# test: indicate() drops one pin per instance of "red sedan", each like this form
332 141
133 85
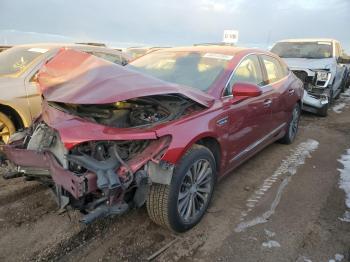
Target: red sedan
160 131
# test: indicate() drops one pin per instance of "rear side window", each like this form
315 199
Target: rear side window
285 69
248 71
273 69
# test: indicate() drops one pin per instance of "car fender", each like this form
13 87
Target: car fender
22 111
179 146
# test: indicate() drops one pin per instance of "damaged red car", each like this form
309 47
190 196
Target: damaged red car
159 132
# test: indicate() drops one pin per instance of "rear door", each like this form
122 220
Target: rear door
249 119
276 80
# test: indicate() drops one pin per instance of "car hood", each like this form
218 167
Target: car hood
75 77
325 63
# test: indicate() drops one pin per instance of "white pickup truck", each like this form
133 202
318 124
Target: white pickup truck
321 65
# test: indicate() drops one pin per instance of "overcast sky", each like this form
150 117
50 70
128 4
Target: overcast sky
180 22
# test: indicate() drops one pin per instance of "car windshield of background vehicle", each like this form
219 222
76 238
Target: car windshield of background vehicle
312 50
15 60
194 69
135 53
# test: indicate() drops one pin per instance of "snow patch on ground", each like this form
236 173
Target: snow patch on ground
337 257
271 244
287 169
344 181
344 101
269 233
338 108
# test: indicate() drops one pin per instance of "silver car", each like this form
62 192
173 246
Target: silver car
320 64
20 101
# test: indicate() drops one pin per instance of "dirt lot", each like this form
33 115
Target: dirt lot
283 205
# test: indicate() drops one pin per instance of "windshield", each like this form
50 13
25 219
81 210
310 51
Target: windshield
314 50
16 59
194 69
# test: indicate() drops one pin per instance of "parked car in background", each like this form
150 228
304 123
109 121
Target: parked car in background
136 52
347 63
161 130
4 47
20 101
319 63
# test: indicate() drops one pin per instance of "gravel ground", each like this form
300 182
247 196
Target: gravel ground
284 204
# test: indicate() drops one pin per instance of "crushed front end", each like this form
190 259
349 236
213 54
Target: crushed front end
100 178
317 86
96 143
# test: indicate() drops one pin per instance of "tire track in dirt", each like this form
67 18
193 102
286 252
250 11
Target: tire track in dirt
16 190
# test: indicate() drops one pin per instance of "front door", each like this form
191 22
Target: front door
249 120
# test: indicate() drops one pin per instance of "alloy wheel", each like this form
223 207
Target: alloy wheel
195 190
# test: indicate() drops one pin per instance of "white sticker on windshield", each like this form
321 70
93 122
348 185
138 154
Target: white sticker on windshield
324 43
38 50
218 56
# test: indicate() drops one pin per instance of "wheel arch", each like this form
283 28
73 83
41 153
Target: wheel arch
207 139
214 146
13 115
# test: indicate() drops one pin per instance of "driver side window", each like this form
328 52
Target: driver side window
248 71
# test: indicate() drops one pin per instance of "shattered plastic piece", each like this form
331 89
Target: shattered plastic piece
269 233
271 244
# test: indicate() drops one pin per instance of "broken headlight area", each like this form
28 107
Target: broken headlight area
316 84
138 112
38 139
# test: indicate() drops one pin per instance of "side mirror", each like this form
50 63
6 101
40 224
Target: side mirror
246 90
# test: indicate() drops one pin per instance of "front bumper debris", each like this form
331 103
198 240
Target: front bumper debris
101 190
311 101
77 186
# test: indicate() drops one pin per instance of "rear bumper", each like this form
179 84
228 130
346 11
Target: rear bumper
75 185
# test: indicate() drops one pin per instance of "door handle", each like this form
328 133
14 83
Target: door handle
291 92
267 103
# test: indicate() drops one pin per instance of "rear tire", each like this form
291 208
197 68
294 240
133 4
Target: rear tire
293 126
7 128
192 182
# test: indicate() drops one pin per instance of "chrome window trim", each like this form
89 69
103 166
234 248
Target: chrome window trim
240 62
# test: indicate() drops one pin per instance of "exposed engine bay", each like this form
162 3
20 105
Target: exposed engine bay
136 112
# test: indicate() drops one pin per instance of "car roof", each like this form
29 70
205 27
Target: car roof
212 49
308 40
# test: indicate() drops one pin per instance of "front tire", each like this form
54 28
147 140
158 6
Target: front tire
182 204
293 126
7 128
